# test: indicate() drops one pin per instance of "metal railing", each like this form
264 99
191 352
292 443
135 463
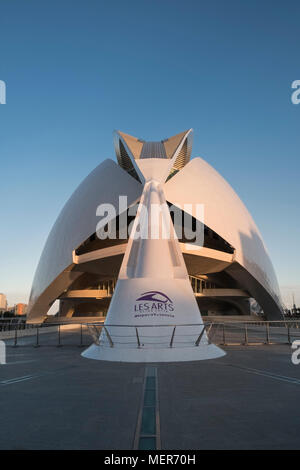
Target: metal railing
9 324
101 333
258 333
142 336
222 334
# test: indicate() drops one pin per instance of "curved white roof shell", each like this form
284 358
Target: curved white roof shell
224 212
75 223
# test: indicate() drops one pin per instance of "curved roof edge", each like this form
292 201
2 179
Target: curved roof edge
225 214
76 222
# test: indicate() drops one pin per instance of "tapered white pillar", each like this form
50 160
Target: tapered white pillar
153 315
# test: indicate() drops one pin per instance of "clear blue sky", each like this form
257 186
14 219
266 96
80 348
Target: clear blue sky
76 70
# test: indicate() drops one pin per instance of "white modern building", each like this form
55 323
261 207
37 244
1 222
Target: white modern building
147 285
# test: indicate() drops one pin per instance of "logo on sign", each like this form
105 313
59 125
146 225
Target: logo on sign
153 303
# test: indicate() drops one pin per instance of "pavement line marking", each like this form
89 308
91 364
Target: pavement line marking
158 438
147 435
139 419
16 379
265 373
33 376
21 362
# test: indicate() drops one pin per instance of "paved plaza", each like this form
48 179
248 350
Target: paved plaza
52 398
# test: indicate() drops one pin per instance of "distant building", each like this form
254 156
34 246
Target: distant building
20 309
3 302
